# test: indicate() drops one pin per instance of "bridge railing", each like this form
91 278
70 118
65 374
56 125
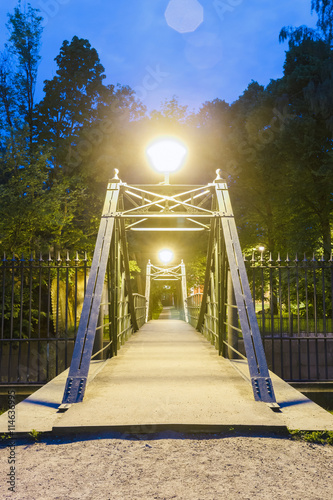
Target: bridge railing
125 327
140 304
210 328
40 307
193 306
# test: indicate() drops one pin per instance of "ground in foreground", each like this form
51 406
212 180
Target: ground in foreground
169 466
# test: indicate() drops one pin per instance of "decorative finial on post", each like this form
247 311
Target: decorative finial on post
218 175
115 177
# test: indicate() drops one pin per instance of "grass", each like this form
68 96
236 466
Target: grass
34 434
317 437
290 324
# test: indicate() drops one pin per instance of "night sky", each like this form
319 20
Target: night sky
236 42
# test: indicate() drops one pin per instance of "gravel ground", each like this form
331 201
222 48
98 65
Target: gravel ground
169 466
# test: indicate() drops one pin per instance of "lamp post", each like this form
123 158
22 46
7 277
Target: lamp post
166 155
165 256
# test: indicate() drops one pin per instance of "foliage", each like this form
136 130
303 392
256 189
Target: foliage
34 434
25 31
195 271
134 268
324 9
274 145
70 100
155 300
318 437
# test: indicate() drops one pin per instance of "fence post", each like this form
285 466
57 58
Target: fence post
232 319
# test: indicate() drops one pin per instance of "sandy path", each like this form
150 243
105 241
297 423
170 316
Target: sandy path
171 466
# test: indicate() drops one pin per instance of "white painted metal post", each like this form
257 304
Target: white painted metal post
148 278
184 289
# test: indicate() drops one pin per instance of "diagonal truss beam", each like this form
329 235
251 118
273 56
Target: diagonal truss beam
162 202
78 372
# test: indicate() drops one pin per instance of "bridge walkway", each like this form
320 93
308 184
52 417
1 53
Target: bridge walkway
167 376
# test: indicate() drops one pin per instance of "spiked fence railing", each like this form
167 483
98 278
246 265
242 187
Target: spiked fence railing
293 299
293 303
40 306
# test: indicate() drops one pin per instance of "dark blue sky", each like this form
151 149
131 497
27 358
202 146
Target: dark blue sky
236 42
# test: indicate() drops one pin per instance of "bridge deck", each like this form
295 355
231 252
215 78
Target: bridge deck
167 376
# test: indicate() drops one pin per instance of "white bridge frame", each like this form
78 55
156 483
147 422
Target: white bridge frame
189 208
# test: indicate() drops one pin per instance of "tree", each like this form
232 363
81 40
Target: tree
256 184
34 217
78 113
308 137
171 111
70 100
84 124
7 95
24 43
324 9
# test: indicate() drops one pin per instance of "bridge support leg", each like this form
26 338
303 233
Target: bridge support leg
261 382
78 372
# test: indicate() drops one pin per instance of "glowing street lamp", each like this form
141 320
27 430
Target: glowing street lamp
166 155
165 256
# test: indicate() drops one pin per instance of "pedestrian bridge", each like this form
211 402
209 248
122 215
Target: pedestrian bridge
168 208
167 373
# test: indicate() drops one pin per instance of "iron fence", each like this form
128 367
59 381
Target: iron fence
41 302
294 309
292 297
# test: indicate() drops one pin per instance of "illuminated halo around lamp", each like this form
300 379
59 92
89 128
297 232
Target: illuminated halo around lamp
166 155
165 256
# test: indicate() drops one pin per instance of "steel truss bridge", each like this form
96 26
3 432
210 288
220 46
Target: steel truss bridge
166 207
